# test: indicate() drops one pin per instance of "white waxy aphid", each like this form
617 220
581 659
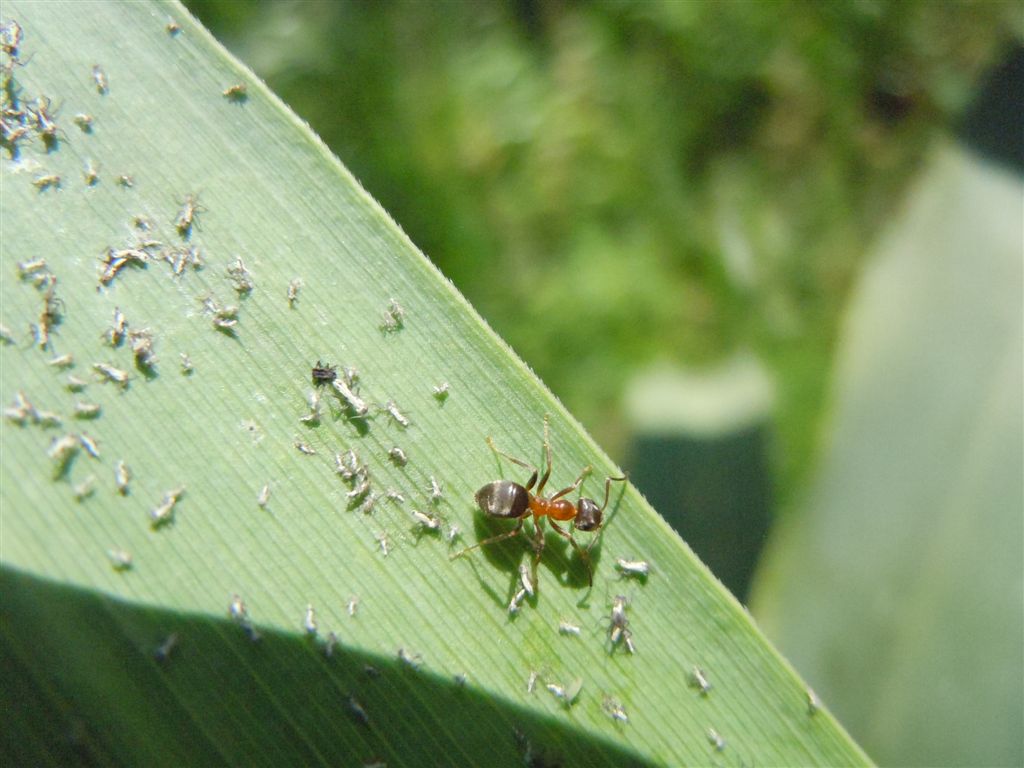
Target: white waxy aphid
6 335
330 643
813 702
47 181
614 710
99 77
393 494
122 476
85 489
566 695
21 410
47 418
236 92
76 384
186 363
436 494
347 464
83 121
357 405
304 447
313 416
62 361
442 390
356 710
120 559
394 317
90 173
398 457
352 605
531 681
186 217
237 611
116 332
393 411
112 374
413 661
293 291
241 278
639 568
62 448
361 485
715 739
384 543
525 579
27 269
264 496
163 513
166 648
699 681
90 445
568 628
516 601
309 620
426 522
141 342
454 532
369 503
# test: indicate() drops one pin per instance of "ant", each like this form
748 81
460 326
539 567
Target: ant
511 501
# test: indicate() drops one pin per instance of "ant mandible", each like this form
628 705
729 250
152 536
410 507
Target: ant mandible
508 500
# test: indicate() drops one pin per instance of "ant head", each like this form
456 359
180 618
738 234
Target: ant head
503 499
588 515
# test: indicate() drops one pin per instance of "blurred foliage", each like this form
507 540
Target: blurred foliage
613 183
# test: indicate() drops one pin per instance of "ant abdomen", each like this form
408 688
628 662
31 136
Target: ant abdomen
503 499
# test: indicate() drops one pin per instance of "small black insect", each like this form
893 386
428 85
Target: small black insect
324 374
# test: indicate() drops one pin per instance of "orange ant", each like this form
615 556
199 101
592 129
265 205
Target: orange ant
508 500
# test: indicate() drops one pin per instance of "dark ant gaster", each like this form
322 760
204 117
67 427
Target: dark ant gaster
511 501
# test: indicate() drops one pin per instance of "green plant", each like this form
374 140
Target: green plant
79 635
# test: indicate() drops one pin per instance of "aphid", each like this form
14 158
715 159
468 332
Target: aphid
352 605
83 121
441 391
237 611
125 181
394 317
347 464
141 342
639 568
84 489
166 648
460 679
46 125
90 173
10 38
99 77
87 410
62 361
516 601
188 215
393 494
264 497
323 374
47 418
699 681
813 702
62 449
116 332
112 374
618 631
525 579
454 532
614 710
115 260
236 93
47 181
186 363
122 476
361 484
567 628
241 278
567 695
400 418
6 336
355 403
28 269
436 494
371 671
180 257
120 560
304 447
511 501
75 384
21 411
309 621
172 28
413 661
426 522
398 457
164 512
715 739
293 292
226 318
384 542
369 503
356 710
330 643
40 335
531 681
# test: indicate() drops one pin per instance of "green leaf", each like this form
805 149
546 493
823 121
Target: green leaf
916 515
79 636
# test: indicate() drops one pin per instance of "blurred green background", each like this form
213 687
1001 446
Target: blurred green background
696 187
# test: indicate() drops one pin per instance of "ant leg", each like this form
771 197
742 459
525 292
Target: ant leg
520 462
586 471
584 554
485 542
547 455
